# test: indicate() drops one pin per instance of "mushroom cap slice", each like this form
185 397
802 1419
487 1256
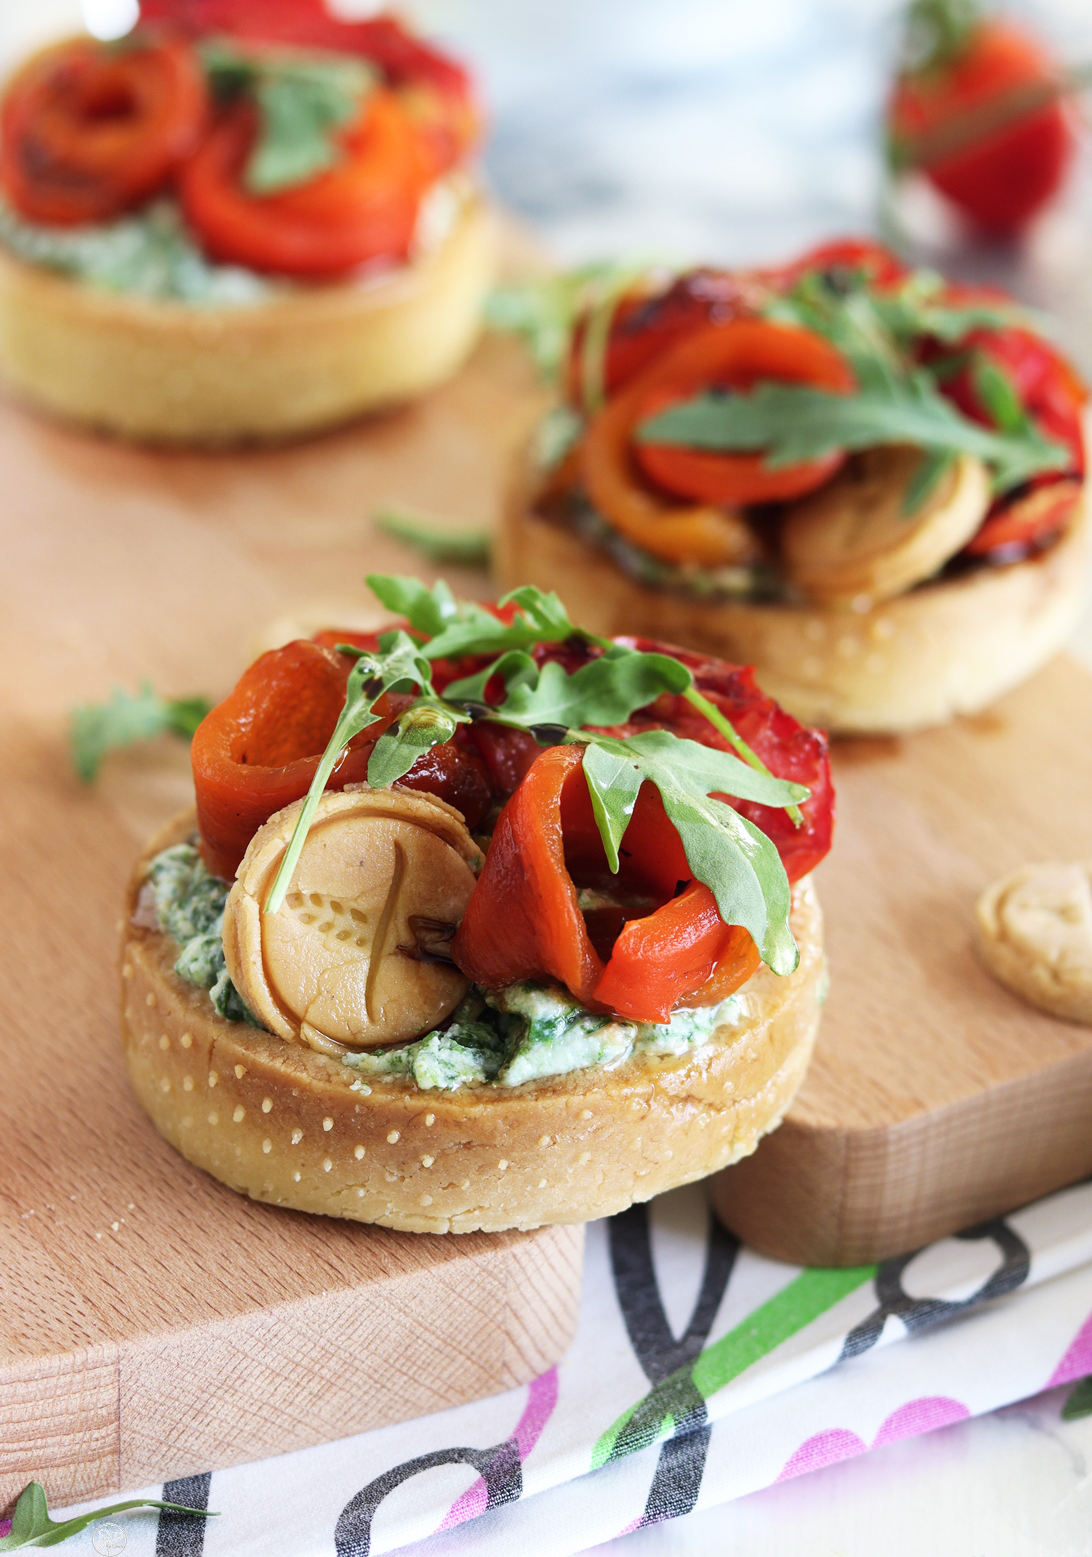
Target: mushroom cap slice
348 960
853 538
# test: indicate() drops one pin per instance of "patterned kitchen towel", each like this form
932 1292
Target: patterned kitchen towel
701 1371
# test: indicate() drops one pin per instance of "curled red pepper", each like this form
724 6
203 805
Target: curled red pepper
789 749
91 131
257 751
525 921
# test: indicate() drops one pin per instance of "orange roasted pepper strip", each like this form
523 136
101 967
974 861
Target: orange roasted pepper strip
524 919
739 354
362 209
257 751
674 532
90 130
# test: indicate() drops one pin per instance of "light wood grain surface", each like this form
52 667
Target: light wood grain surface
152 1323
134 1350
936 1097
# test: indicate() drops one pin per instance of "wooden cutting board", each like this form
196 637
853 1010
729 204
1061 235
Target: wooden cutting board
152 1323
936 1099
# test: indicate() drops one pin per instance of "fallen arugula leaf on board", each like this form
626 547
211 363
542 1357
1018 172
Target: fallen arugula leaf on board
1079 1401
302 102
128 717
726 852
32 1526
438 542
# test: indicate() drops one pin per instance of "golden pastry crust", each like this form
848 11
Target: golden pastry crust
173 373
942 649
1034 933
282 1123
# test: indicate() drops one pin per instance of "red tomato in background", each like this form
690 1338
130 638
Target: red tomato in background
1006 172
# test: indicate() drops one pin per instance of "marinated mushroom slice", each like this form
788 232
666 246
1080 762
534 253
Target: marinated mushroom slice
339 965
854 539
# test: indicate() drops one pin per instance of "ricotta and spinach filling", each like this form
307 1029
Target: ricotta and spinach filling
150 254
526 1032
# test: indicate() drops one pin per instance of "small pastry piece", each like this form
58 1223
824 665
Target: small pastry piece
855 539
1034 933
339 965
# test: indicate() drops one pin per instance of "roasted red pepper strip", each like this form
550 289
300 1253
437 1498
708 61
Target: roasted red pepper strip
524 919
257 751
879 264
361 210
1053 396
736 356
789 749
642 326
436 90
89 132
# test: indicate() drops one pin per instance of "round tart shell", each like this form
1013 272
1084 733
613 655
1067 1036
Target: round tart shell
177 373
282 1123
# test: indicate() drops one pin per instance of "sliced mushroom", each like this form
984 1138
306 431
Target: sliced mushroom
853 538
333 967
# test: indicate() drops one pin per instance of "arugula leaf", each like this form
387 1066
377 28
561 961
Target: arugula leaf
430 722
598 315
605 691
614 781
97 728
398 664
732 857
514 668
997 394
931 469
32 1526
438 542
302 100
466 628
427 610
867 323
792 423
541 310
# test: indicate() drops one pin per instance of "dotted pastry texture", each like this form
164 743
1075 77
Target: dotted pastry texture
282 1123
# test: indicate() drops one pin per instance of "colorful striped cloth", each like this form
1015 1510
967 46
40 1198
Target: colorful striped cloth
701 1371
